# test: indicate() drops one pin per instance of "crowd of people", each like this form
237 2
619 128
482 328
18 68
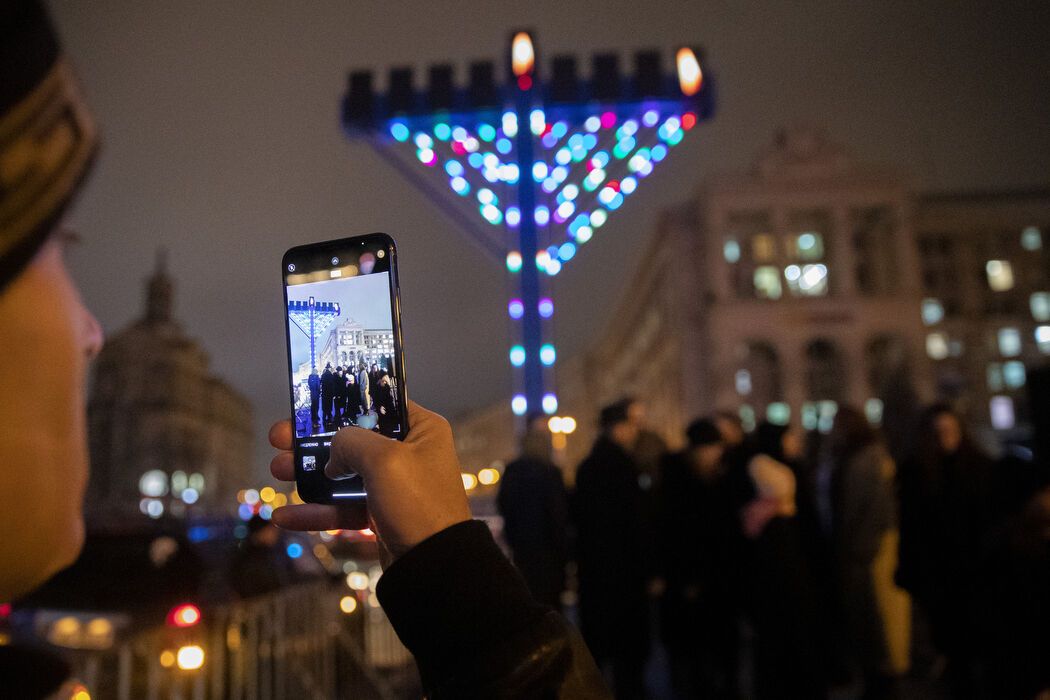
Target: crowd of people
779 564
352 395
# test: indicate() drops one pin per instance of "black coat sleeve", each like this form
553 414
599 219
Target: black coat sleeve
465 614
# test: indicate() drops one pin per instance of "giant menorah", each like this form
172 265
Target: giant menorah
531 170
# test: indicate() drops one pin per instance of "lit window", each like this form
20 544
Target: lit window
731 250
762 247
747 417
1031 238
1009 342
937 346
995 376
1001 410
807 280
767 283
1040 303
778 413
1042 339
827 411
932 311
1000 275
743 382
809 246
873 410
1013 374
810 416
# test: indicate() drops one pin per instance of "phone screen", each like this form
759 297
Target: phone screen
344 353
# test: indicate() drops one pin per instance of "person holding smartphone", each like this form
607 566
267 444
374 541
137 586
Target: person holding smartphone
455 600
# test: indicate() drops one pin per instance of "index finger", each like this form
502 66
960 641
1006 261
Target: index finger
281 434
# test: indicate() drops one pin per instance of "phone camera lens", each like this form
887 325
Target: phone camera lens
335 261
291 267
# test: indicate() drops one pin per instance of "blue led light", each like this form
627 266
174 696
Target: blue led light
519 405
508 172
600 159
537 121
295 550
454 168
198 533
560 129
424 140
548 354
539 171
513 216
583 234
460 186
510 124
590 141
598 218
549 185
565 210
549 141
546 307
593 123
399 131
651 117
492 214
659 152
629 128
543 215
628 185
442 131
563 156
553 266
476 160
504 146
616 201
486 196
487 132
516 309
570 192
517 354
566 251
245 512
460 134
550 403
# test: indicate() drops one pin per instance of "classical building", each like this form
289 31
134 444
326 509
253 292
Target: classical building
166 435
351 343
811 282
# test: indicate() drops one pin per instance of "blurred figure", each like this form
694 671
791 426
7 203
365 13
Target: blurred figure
731 428
947 494
699 541
613 544
364 388
386 405
649 448
535 510
314 383
260 565
327 395
859 517
782 590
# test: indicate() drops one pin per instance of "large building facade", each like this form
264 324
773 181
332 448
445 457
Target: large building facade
811 282
167 437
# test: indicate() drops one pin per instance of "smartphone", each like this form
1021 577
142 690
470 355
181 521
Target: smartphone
345 358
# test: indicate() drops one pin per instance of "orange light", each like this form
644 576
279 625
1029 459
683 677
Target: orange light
185 615
689 74
522 56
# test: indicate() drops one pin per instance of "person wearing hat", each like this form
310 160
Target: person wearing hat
613 542
455 600
698 535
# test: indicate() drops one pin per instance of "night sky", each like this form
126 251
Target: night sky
222 143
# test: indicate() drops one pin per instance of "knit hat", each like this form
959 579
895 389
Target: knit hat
703 432
47 137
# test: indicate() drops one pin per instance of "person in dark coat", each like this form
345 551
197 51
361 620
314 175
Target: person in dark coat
352 406
780 582
339 395
364 388
698 539
386 405
327 394
535 510
613 542
946 496
314 383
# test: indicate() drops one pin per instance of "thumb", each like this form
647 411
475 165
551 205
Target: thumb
358 451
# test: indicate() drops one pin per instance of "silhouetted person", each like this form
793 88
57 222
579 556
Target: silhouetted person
612 554
947 495
364 388
314 384
699 538
535 510
386 405
327 394
352 403
782 594
339 395
859 514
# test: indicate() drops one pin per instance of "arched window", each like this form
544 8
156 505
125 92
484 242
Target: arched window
825 373
757 379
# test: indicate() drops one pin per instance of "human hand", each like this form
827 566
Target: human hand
414 486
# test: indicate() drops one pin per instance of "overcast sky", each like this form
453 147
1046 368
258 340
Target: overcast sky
222 143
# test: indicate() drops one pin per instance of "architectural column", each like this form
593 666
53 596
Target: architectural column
842 273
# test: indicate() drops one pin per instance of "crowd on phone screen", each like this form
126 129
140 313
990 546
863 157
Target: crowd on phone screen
358 394
779 564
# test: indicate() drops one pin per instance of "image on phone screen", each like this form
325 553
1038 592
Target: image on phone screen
344 352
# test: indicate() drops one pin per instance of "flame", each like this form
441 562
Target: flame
522 56
689 74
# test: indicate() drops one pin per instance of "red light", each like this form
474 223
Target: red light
688 120
614 185
524 82
608 120
185 615
5 610
458 148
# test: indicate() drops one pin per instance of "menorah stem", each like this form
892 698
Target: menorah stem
529 275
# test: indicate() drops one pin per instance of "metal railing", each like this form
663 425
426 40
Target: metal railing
291 644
